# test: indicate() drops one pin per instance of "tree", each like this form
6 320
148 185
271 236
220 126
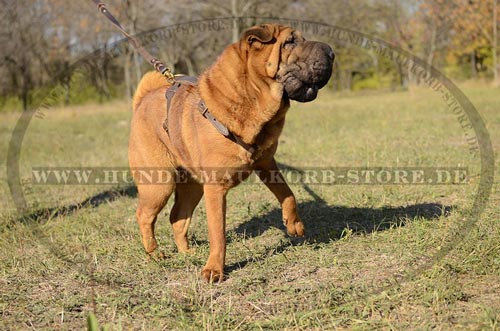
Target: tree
22 54
477 35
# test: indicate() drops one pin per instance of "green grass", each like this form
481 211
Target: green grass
366 262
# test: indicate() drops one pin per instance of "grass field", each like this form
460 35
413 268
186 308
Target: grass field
365 263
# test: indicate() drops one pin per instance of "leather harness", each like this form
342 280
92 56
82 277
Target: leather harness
203 109
176 81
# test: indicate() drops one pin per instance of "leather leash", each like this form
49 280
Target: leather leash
157 64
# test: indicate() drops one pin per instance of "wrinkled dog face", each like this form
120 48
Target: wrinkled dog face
280 53
306 67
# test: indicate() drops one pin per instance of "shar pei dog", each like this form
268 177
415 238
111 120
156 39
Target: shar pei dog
247 92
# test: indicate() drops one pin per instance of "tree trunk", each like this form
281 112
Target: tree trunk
432 50
126 73
132 6
401 76
190 66
235 28
66 82
103 75
24 98
67 90
137 69
348 80
26 86
496 81
338 76
473 64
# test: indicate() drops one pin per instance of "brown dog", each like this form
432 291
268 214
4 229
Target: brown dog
248 89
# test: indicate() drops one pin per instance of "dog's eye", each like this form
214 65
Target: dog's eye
289 42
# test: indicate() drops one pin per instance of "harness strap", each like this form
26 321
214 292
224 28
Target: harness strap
170 92
203 109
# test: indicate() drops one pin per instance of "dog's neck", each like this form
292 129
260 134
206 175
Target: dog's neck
239 99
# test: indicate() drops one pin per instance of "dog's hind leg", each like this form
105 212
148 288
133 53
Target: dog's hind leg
152 199
152 168
187 197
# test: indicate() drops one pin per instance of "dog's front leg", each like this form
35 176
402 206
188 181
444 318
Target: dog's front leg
215 202
270 174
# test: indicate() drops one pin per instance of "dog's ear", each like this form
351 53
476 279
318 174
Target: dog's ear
263 33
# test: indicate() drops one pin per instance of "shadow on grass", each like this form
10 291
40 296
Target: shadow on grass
325 223
94 201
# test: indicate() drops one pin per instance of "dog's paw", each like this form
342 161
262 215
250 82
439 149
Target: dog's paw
212 275
156 255
150 244
294 227
188 251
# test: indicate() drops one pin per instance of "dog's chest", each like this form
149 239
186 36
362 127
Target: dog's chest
268 138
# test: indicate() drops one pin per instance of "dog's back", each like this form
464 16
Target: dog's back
150 82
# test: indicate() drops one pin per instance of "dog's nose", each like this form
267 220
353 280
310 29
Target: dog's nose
329 51
331 55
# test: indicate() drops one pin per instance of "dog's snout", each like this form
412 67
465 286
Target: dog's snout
308 71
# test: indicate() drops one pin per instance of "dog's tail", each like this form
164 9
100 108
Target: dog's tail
150 81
